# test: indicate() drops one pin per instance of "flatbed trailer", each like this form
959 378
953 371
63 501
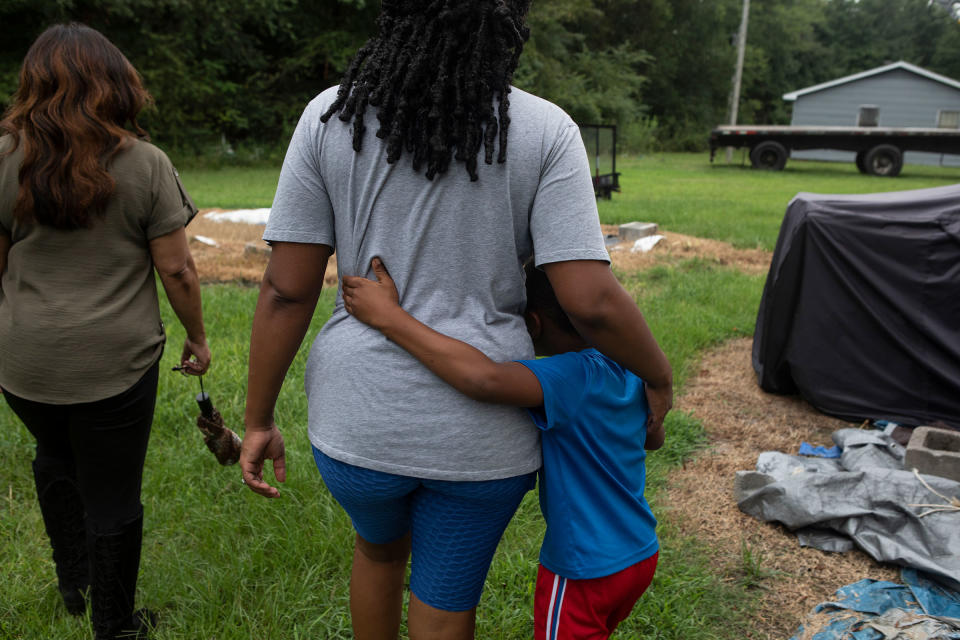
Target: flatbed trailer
879 149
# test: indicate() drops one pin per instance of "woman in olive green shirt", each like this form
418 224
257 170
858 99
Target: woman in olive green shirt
87 211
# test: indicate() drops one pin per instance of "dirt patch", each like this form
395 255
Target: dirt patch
676 246
741 421
240 254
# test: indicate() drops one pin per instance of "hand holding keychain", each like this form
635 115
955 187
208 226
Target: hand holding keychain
221 441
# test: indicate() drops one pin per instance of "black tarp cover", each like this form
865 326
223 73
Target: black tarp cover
861 309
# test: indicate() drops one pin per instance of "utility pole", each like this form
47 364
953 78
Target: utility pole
738 73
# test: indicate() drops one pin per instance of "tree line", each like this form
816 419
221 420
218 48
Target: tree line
228 73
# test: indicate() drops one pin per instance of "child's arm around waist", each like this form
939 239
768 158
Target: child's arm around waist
462 366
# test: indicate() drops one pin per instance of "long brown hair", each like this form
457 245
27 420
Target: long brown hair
77 92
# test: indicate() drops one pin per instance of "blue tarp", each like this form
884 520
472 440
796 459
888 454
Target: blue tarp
878 610
807 449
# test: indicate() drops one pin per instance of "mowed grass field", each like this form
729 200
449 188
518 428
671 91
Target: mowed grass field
220 563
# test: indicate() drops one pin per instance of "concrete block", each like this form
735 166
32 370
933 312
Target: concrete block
633 231
935 452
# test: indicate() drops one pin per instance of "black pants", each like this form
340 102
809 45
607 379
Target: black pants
102 445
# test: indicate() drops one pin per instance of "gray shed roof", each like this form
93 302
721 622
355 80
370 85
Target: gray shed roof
906 66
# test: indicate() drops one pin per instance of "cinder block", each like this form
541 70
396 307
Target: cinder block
633 231
935 452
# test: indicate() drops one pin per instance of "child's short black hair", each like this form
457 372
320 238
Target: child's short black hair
542 299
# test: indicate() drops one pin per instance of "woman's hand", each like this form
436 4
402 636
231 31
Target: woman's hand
200 352
288 297
371 302
260 445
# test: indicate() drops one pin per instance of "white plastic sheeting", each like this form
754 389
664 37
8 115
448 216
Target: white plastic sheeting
249 216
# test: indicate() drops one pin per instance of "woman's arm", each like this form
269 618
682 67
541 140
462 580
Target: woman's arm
460 365
288 298
607 316
178 274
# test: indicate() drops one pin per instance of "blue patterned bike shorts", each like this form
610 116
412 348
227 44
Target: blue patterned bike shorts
455 526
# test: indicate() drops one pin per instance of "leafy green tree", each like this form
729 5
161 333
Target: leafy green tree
228 73
690 76
598 84
783 54
946 56
868 33
220 70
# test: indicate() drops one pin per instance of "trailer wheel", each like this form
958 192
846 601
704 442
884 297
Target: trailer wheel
769 155
883 160
861 163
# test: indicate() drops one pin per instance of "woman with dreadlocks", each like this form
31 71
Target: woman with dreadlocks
463 180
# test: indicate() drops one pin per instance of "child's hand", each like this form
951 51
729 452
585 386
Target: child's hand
368 301
660 401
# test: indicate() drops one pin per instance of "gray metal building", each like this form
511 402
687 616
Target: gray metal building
894 95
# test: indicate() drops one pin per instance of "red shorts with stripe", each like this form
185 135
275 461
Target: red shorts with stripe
591 609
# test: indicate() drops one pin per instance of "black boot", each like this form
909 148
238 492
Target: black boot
63 517
114 562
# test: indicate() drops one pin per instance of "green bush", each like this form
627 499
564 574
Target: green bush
640 136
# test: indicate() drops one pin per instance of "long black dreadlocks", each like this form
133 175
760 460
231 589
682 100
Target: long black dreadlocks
432 72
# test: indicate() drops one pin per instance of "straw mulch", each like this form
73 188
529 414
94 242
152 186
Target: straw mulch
676 246
741 421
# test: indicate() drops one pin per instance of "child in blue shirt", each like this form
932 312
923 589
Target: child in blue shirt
600 549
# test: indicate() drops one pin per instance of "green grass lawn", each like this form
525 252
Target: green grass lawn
684 193
222 563
231 187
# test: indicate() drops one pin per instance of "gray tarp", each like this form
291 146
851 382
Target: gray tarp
861 499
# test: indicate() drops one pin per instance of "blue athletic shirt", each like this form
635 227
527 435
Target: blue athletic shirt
594 422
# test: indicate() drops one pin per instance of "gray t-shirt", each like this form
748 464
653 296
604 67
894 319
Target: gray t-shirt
456 251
